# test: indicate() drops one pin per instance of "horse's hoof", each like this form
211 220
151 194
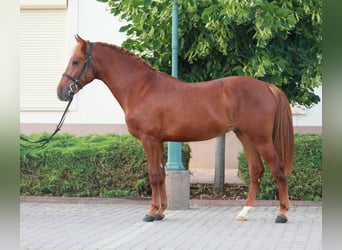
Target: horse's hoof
240 218
159 216
280 219
149 218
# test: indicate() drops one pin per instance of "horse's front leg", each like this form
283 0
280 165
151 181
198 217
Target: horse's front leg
154 152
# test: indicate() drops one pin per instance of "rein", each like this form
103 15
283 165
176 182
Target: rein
73 87
44 141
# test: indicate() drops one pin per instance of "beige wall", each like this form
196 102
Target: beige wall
202 153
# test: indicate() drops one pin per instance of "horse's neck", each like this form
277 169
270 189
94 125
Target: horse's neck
124 75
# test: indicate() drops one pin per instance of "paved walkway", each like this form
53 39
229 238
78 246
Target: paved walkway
117 224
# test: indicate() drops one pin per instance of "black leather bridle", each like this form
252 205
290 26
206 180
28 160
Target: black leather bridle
75 85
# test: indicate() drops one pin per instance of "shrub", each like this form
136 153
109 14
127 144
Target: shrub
89 166
305 181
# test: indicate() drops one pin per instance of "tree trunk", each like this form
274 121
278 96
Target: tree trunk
219 164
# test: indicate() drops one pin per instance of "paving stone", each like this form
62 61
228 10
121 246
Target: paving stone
120 226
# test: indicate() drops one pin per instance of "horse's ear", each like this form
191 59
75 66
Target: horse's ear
82 42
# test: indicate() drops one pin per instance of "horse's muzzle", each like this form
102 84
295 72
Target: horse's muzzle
65 93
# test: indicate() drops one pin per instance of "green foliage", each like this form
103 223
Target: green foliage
276 41
305 182
102 166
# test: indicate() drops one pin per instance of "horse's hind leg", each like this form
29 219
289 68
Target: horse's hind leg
270 155
256 171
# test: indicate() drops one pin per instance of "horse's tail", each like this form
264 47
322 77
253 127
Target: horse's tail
283 137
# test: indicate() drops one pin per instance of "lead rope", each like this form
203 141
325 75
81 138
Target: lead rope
44 141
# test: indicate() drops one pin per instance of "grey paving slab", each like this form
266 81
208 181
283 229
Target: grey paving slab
120 226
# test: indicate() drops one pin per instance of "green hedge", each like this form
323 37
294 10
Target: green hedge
89 166
305 181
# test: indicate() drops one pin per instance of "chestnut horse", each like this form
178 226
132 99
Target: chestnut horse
159 107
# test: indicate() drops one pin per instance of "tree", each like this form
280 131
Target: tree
275 41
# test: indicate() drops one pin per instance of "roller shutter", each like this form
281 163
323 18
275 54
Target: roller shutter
42 54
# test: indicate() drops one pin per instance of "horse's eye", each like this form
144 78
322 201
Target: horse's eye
74 63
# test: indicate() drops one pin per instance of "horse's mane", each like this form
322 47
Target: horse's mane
129 53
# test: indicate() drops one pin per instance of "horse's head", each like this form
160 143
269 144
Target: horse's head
78 73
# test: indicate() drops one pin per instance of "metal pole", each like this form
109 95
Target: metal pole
174 159
174 43
219 164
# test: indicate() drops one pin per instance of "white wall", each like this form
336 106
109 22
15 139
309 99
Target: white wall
94 104
312 116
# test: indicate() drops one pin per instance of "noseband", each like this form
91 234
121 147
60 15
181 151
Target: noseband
75 85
